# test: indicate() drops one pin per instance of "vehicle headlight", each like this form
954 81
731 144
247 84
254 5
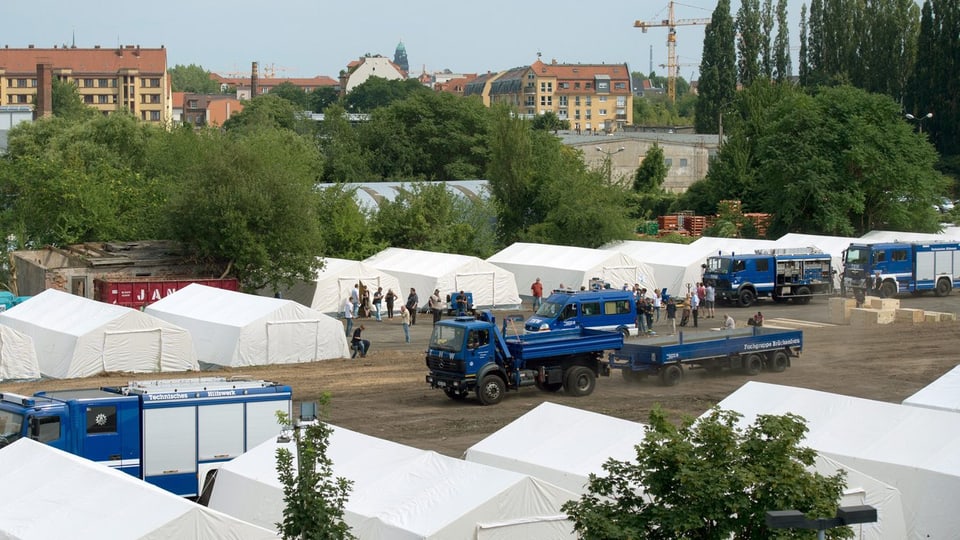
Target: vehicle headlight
544 327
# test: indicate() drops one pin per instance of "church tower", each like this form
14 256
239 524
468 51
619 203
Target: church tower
400 58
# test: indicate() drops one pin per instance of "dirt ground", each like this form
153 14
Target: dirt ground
385 395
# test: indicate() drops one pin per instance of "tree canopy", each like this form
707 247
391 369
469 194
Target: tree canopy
192 78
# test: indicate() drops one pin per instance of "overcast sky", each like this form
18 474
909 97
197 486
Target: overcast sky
303 38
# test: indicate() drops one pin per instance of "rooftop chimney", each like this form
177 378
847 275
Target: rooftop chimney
43 107
254 80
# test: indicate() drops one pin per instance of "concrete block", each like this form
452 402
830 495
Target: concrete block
948 317
931 316
864 317
909 315
886 316
875 302
840 309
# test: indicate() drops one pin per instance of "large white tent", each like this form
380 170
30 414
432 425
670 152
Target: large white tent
880 236
18 357
235 329
572 267
52 494
492 286
943 393
78 337
913 449
334 282
712 245
561 445
674 265
400 492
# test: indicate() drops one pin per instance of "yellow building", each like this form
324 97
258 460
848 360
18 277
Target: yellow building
125 78
592 97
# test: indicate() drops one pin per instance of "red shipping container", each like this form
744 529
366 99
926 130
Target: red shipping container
137 293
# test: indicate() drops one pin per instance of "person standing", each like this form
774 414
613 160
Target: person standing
672 315
390 298
365 306
537 290
436 305
657 304
709 299
405 319
695 308
348 314
413 302
461 304
377 302
355 299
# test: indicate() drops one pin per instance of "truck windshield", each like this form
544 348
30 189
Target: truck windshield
447 338
10 427
857 255
718 265
550 310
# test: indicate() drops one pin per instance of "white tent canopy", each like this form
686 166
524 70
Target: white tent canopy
235 329
943 393
52 494
558 444
78 337
572 267
880 236
862 489
712 246
334 282
674 265
18 357
492 286
401 492
914 449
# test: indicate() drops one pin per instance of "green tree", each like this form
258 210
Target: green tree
549 121
378 92
803 62
314 498
347 232
268 111
67 102
718 71
652 171
292 93
321 98
343 156
513 181
782 70
192 78
708 479
750 41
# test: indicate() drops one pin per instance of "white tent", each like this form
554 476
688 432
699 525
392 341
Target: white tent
943 393
712 246
914 449
862 489
880 236
492 286
78 337
674 265
52 494
401 492
572 267
18 357
235 329
334 282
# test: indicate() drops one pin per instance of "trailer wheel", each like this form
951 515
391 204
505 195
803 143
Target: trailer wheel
778 361
746 298
889 289
491 390
580 381
671 375
803 296
753 365
455 394
632 376
549 387
943 287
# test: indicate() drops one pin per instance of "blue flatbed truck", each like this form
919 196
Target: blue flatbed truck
749 350
170 433
473 355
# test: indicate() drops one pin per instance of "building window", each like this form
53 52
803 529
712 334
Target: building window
683 162
589 101
103 83
576 101
620 86
546 101
564 100
546 86
21 83
602 112
565 85
155 116
88 99
668 162
602 99
603 86
531 76
576 86
192 104
576 114
621 102
103 99
588 86
88 83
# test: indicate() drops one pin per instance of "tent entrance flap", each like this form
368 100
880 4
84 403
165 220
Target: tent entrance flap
483 285
132 350
616 276
281 334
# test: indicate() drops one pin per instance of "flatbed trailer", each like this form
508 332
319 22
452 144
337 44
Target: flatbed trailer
749 350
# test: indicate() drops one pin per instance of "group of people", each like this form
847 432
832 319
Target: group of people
361 305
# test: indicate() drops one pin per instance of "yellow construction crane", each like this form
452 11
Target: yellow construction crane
671 23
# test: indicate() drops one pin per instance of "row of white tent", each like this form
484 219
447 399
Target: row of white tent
60 335
503 280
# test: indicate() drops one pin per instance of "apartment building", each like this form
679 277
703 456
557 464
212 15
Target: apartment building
592 97
125 78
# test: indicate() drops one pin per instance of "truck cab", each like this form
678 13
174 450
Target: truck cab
741 279
607 309
912 267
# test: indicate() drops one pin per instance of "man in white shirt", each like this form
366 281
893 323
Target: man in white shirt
348 315
728 322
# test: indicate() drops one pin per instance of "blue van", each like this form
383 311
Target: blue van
604 309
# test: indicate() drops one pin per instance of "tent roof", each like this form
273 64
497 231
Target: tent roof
674 265
834 245
425 263
943 393
878 236
712 245
228 308
66 313
53 494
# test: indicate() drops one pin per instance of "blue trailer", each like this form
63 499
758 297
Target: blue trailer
749 349
169 433
473 355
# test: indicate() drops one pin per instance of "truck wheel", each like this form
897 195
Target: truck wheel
626 333
580 381
746 298
491 390
632 376
671 375
778 361
803 296
889 289
943 287
549 387
753 365
455 394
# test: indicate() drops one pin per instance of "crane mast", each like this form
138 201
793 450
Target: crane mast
671 24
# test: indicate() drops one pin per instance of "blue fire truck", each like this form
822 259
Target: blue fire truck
781 275
903 267
169 433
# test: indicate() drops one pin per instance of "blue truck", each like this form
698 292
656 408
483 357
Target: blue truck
903 267
741 279
473 355
170 433
748 349
604 309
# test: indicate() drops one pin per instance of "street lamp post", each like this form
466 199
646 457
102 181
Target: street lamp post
608 161
919 120
846 515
